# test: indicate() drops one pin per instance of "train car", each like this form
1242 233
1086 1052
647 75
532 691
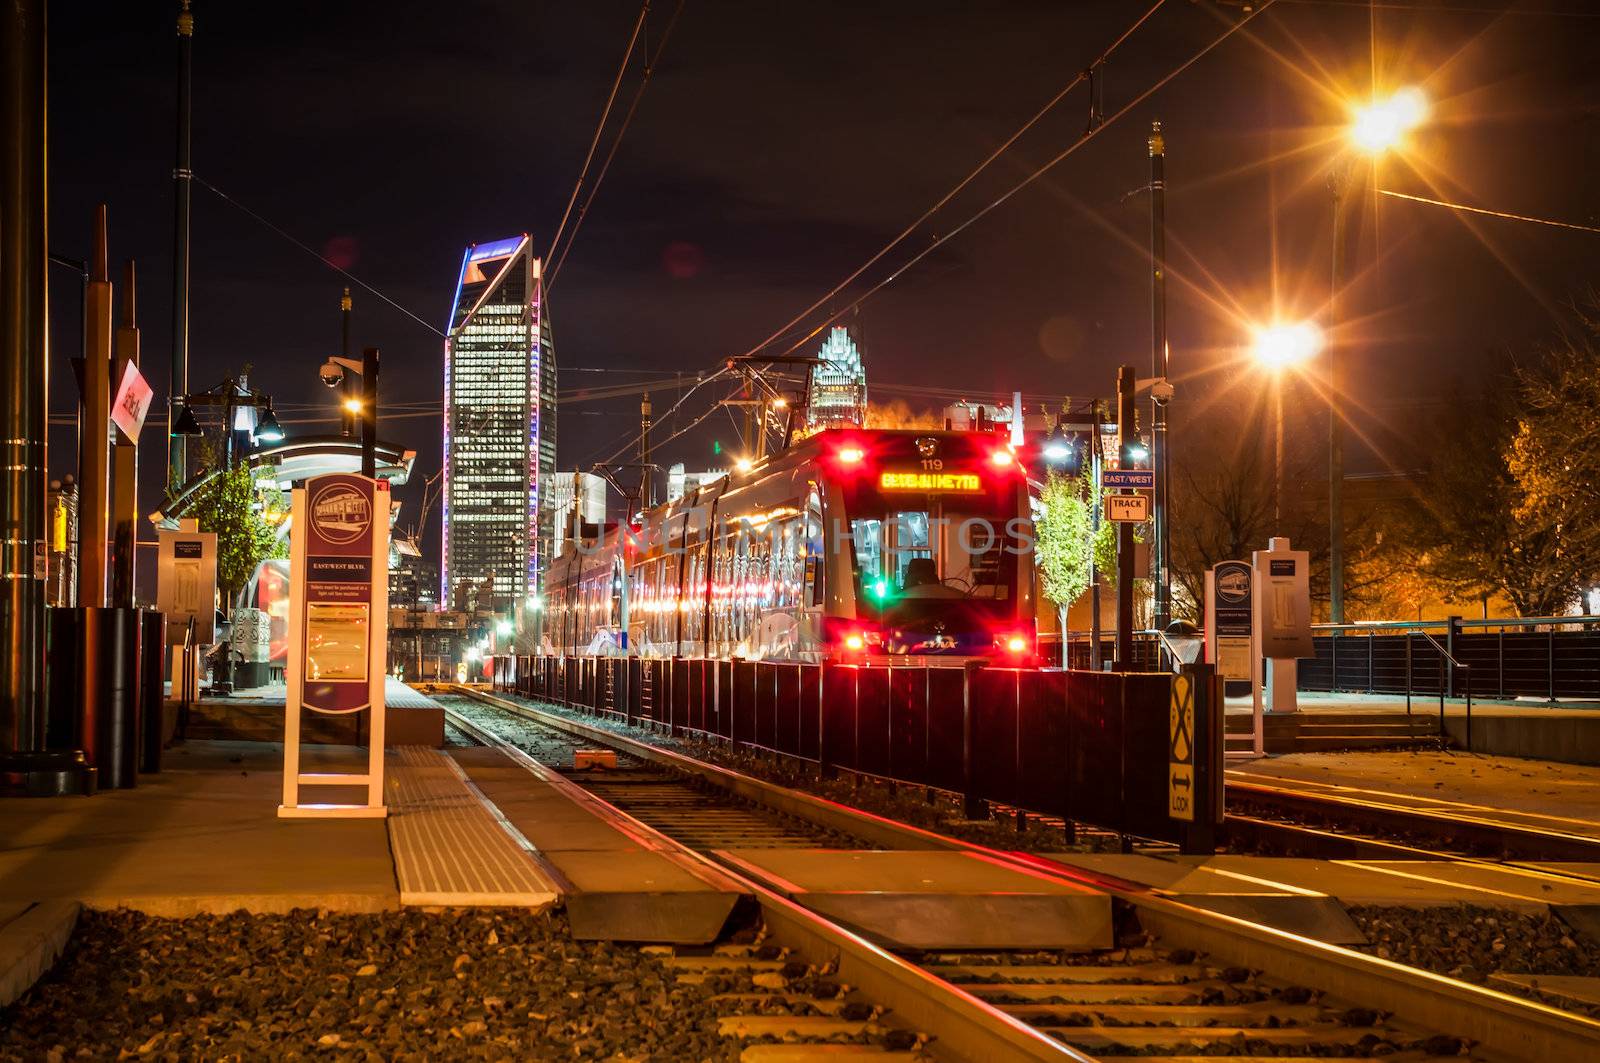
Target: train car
849 545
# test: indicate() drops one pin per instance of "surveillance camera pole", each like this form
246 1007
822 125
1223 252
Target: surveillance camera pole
369 411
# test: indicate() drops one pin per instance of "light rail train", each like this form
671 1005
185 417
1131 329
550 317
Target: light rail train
849 545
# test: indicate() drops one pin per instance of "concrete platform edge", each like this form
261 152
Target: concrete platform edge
31 943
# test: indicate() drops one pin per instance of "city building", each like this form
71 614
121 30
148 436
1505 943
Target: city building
590 492
413 580
680 483
836 391
499 429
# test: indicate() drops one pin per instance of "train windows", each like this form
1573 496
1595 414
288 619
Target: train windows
866 543
908 539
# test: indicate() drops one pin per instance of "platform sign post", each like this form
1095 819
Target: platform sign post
1230 640
338 629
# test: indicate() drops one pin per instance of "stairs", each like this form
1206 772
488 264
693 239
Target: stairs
1323 732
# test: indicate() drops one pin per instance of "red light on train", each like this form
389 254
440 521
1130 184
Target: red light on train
1002 458
850 455
854 642
1015 643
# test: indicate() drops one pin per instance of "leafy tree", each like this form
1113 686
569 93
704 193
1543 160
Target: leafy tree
1465 532
1552 457
245 537
1068 545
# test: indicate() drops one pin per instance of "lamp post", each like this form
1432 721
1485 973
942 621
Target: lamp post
1377 127
1279 347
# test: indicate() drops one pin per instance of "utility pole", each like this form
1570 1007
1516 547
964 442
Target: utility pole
94 470
1339 186
24 258
347 420
369 413
182 180
125 461
647 483
1096 459
1159 358
1126 438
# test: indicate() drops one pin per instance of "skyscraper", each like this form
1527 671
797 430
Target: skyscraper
836 392
499 427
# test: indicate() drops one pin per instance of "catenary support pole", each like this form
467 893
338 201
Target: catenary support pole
1161 561
1339 186
347 419
647 480
369 411
182 185
24 258
1126 435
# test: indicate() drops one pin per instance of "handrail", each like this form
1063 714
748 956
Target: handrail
1459 622
1466 671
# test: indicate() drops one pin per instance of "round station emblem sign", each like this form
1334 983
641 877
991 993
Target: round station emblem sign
1233 583
340 513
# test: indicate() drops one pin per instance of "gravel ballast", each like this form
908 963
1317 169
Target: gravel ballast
393 986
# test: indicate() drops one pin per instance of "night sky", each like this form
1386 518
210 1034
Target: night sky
778 146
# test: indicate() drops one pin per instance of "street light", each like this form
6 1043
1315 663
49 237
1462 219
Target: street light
1376 127
1381 125
1277 348
269 430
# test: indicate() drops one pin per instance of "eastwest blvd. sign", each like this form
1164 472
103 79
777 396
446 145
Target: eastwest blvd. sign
338 627
341 526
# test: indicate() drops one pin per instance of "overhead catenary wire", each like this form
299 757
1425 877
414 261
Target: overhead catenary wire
600 126
651 59
351 277
940 203
1507 215
1033 176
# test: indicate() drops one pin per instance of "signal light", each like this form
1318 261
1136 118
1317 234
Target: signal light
1001 458
1017 644
850 455
854 642
880 589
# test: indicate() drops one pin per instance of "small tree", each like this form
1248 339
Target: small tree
232 506
1068 546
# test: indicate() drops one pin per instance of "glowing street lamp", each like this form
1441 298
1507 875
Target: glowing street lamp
1375 128
1381 125
1282 346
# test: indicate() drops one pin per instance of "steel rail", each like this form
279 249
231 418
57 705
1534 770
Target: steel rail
1513 840
961 1026
1499 1022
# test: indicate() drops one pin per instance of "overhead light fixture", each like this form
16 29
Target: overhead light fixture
186 425
269 429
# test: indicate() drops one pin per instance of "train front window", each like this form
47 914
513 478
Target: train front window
940 551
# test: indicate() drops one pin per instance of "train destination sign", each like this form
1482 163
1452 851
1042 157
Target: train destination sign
956 482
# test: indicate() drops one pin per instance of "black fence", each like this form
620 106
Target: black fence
1083 746
1504 664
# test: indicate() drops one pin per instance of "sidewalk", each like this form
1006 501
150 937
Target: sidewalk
1428 704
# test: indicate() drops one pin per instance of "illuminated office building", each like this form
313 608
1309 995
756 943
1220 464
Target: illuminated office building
499 428
836 392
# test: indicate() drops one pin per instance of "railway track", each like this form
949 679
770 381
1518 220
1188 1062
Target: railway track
1181 983
1293 816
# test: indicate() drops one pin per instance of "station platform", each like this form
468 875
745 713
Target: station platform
204 836
1561 731
255 714
1548 796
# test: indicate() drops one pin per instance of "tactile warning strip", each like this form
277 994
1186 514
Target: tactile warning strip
449 846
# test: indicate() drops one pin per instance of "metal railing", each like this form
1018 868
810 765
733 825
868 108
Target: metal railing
1552 657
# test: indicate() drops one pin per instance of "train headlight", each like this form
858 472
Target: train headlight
854 642
850 455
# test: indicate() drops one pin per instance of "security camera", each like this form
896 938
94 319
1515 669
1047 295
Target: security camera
1161 391
332 373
